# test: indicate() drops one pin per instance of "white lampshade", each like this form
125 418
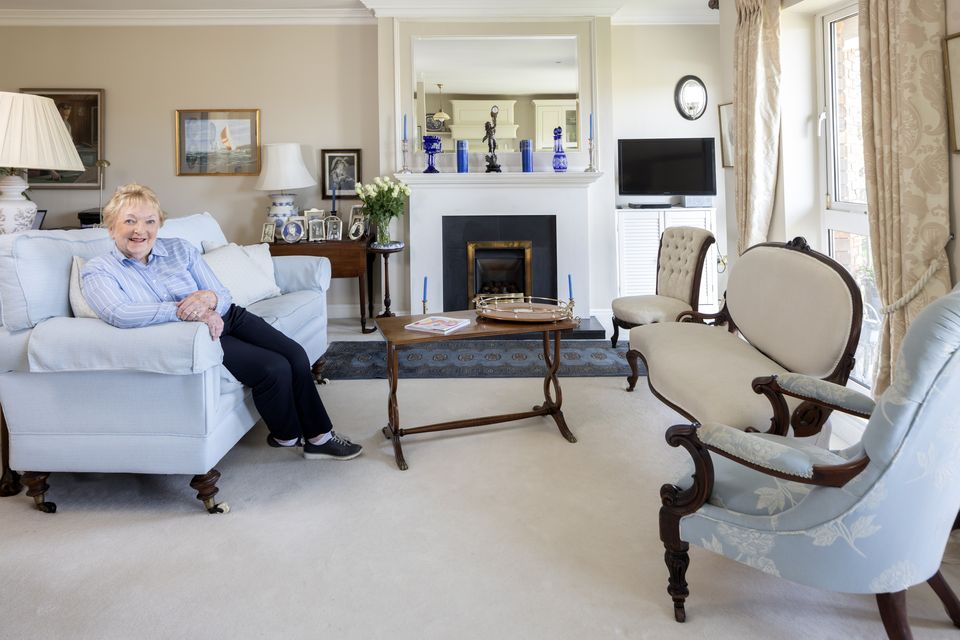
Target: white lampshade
283 168
33 134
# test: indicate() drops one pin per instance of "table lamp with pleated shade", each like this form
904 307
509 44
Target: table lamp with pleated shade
32 136
283 169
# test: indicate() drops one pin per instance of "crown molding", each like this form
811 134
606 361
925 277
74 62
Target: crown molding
492 10
628 18
189 17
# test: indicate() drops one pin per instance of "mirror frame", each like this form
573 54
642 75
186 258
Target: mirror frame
679 104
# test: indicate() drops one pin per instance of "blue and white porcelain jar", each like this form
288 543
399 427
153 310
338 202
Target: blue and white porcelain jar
559 155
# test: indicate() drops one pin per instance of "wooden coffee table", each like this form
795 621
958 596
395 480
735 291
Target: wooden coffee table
396 336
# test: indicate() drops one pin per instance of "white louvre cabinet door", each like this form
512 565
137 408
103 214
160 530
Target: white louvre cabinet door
638 241
703 219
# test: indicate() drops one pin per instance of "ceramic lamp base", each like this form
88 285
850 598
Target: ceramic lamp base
17 213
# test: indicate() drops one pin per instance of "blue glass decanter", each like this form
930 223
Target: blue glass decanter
559 155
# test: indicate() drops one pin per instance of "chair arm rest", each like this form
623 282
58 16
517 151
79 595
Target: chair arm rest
828 394
297 273
716 319
179 348
772 455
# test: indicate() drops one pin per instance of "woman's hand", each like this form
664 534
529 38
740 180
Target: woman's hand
193 307
214 322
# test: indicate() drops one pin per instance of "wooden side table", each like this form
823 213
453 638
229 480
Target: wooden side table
348 259
372 252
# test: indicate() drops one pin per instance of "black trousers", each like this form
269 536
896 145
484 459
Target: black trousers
278 371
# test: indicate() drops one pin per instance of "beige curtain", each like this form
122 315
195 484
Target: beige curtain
907 162
756 90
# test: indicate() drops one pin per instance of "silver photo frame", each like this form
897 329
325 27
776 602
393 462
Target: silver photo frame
294 230
333 227
317 230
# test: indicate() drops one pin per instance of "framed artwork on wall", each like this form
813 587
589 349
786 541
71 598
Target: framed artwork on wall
82 112
340 169
951 64
726 134
218 142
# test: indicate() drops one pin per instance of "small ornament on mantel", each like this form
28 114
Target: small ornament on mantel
490 137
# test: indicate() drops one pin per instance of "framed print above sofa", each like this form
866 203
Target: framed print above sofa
218 142
82 112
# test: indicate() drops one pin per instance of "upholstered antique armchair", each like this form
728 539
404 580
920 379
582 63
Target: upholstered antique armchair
872 518
680 259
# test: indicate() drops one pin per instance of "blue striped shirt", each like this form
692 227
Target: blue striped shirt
127 293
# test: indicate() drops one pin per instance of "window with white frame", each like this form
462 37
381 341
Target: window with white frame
845 227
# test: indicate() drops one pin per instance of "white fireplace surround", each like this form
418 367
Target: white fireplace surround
433 196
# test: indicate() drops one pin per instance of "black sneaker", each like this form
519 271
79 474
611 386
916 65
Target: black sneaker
273 443
336 448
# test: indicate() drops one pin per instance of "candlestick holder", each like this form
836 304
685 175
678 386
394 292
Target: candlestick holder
424 307
591 168
405 150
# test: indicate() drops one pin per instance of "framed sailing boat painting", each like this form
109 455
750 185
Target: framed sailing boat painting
218 142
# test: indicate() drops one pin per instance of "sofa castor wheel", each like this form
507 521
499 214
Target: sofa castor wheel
46 507
219 507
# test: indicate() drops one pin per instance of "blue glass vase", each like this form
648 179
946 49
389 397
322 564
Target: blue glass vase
431 146
463 161
559 155
526 155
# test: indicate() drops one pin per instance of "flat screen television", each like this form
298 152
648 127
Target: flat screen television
667 167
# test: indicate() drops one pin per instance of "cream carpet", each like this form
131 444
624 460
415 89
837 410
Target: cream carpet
496 532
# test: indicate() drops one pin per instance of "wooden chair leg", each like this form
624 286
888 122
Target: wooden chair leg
317 371
36 483
677 559
947 597
893 612
616 333
632 357
206 488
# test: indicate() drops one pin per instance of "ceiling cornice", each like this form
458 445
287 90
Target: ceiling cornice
625 18
199 17
492 10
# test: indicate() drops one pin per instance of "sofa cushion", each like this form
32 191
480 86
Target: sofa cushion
648 309
241 274
291 311
78 304
707 371
195 229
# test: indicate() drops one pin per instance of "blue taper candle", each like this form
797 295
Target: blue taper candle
591 125
424 288
570 286
404 127
333 202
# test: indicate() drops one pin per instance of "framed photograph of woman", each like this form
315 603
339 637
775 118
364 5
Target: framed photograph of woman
269 230
317 230
334 228
340 170
82 112
295 229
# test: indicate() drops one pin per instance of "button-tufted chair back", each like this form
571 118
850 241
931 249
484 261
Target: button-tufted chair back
678 274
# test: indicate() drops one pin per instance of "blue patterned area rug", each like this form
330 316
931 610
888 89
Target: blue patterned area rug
475 359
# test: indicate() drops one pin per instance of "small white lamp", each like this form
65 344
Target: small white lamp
32 136
283 169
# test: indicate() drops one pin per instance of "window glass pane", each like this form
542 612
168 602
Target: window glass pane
848 171
852 250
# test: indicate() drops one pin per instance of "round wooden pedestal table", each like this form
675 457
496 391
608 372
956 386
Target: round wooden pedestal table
385 250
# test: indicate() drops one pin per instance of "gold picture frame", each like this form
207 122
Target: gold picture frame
951 72
218 142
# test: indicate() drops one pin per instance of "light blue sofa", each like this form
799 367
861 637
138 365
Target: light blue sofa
80 395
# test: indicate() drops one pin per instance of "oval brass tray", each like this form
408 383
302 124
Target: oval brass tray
528 309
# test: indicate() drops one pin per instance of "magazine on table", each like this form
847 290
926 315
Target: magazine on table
438 324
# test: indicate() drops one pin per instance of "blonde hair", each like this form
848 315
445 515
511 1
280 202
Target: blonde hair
130 195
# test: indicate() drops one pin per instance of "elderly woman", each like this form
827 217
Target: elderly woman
147 280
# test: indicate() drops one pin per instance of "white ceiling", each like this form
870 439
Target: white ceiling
88 12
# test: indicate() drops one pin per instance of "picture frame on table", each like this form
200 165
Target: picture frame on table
727 134
295 229
317 230
358 222
269 232
38 219
218 142
333 226
340 169
83 113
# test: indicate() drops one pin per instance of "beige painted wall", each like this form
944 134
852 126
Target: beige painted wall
647 63
314 85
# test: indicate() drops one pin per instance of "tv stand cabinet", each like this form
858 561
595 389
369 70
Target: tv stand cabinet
638 242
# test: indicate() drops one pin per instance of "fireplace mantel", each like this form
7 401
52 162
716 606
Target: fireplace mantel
566 196
479 180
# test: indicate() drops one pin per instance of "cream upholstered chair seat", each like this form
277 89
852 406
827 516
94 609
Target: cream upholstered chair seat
683 250
716 365
648 309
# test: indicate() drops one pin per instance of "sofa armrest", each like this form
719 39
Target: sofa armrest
13 349
825 393
179 348
297 273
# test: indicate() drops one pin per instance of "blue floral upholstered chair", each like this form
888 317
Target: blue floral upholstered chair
872 518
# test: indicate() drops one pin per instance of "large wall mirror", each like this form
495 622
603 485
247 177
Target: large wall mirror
534 80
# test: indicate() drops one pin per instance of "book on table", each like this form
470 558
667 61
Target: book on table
438 324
